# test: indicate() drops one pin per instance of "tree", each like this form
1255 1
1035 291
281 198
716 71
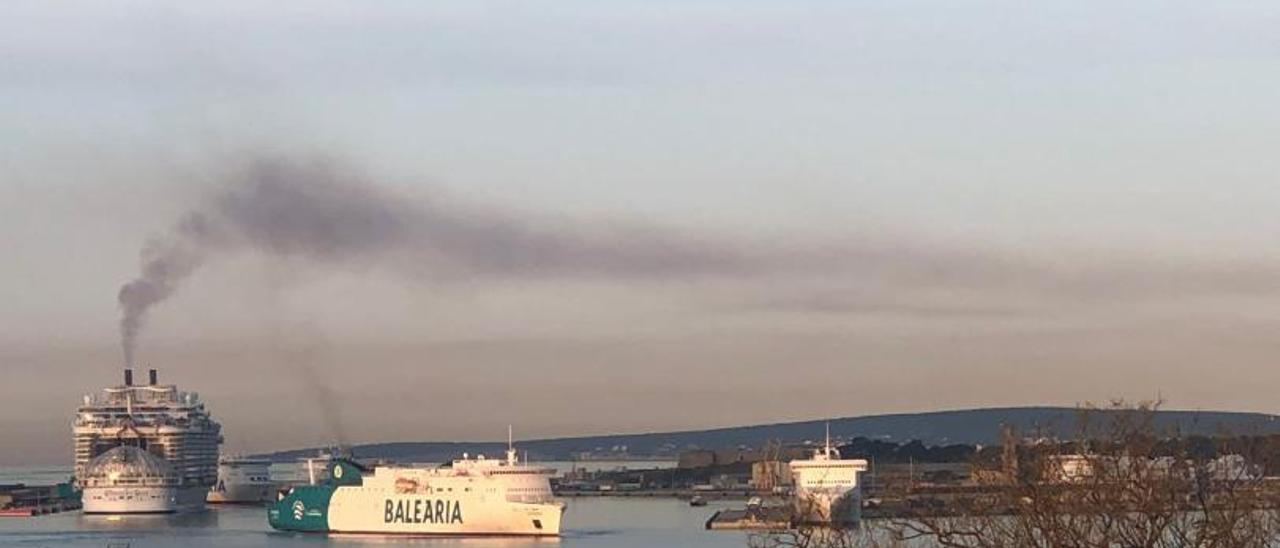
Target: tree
1120 481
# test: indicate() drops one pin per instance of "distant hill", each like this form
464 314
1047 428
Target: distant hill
971 426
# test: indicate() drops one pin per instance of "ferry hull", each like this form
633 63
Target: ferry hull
818 507
356 511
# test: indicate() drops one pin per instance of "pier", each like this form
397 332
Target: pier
772 518
20 500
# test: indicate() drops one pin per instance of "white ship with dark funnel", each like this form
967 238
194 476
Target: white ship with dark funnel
145 449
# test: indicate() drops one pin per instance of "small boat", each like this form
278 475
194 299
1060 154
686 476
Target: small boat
697 501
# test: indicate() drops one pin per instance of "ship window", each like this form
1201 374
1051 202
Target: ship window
537 524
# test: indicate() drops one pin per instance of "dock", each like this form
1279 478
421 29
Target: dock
38 510
681 493
769 518
19 500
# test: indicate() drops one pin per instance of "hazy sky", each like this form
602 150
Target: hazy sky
594 217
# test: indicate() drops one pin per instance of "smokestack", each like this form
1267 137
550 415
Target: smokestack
152 374
128 377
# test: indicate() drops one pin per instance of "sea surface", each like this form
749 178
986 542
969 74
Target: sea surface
603 522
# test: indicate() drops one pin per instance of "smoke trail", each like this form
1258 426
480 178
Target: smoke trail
166 261
321 213
318 212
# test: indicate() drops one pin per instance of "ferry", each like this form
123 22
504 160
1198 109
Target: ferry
145 449
827 489
468 497
242 481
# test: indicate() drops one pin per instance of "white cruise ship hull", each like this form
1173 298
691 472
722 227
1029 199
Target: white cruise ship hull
142 500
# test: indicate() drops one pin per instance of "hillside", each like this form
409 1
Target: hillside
972 426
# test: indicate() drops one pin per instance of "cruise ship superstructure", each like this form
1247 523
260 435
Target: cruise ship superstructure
470 496
145 448
827 488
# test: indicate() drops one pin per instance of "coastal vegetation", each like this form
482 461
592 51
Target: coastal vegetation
1117 479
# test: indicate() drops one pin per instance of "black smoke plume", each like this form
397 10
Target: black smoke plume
320 212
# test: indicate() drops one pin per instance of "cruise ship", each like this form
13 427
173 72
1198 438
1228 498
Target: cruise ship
470 496
144 449
827 489
242 480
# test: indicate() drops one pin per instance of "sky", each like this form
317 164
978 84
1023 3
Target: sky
427 221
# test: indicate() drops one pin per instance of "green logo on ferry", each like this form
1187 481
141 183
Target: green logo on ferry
302 509
422 511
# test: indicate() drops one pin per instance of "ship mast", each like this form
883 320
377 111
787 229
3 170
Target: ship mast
826 448
511 448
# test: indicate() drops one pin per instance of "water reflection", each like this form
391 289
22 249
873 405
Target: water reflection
589 523
494 541
148 522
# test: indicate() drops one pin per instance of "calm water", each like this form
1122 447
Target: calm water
589 522
598 522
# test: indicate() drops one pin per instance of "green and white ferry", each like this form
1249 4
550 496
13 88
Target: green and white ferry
470 496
